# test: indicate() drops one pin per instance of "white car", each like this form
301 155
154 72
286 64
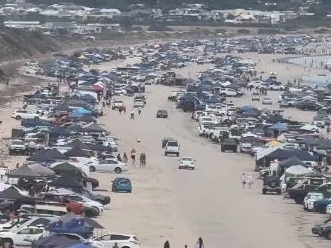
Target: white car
19 114
110 165
22 237
328 209
122 240
267 101
308 202
138 104
186 163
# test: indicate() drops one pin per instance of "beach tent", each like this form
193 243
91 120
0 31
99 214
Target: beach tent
324 144
297 170
13 193
67 181
93 127
77 152
78 143
292 161
76 115
262 153
55 241
98 147
281 127
47 156
65 168
41 170
24 171
282 154
59 131
247 108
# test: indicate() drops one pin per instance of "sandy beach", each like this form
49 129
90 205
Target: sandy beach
179 206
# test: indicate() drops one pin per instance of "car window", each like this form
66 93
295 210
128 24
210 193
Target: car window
106 237
119 237
36 231
25 231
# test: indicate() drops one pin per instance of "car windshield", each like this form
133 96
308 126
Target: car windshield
172 143
17 142
316 197
186 159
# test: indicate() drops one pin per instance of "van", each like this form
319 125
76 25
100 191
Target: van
256 96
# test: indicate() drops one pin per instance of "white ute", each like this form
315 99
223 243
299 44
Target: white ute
172 147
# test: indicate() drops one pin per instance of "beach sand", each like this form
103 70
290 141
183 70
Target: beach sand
178 205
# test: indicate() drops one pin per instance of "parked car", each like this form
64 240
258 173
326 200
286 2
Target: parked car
110 165
267 101
229 144
122 240
162 114
17 147
21 237
307 105
310 198
19 114
186 163
256 96
117 104
271 184
230 92
121 184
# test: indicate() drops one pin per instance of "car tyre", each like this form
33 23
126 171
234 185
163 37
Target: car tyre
118 170
92 169
18 117
328 235
36 118
264 191
7 243
165 154
177 154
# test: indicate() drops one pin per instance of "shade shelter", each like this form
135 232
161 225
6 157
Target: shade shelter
79 144
67 181
13 193
77 152
24 171
280 127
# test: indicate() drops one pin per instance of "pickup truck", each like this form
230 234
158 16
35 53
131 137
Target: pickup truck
17 147
304 186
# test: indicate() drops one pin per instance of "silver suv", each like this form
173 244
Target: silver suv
172 147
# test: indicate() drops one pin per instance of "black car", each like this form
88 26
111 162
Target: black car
229 145
307 105
271 184
162 114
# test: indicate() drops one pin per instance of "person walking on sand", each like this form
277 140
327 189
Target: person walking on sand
120 109
199 243
249 180
139 111
142 160
132 115
133 155
125 158
124 109
243 180
166 244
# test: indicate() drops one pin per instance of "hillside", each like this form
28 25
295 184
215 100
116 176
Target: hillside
16 43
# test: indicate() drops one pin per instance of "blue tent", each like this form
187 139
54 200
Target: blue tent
81 246
82 111
247 108
279 127
76 114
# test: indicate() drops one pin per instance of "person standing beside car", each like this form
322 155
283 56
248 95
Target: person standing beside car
243 180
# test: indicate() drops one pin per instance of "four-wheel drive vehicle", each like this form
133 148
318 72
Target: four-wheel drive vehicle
323 230
17 147
117 105
22 237
310 199
19 114
172 147
229 144
271 184
256 96
162 114
165 141
307 105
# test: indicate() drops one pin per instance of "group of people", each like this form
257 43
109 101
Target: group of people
246 181
199 244
133 153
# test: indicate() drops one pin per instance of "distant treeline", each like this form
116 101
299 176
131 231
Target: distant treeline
322 9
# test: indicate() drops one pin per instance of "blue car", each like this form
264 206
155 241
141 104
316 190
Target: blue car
121 184
320 205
